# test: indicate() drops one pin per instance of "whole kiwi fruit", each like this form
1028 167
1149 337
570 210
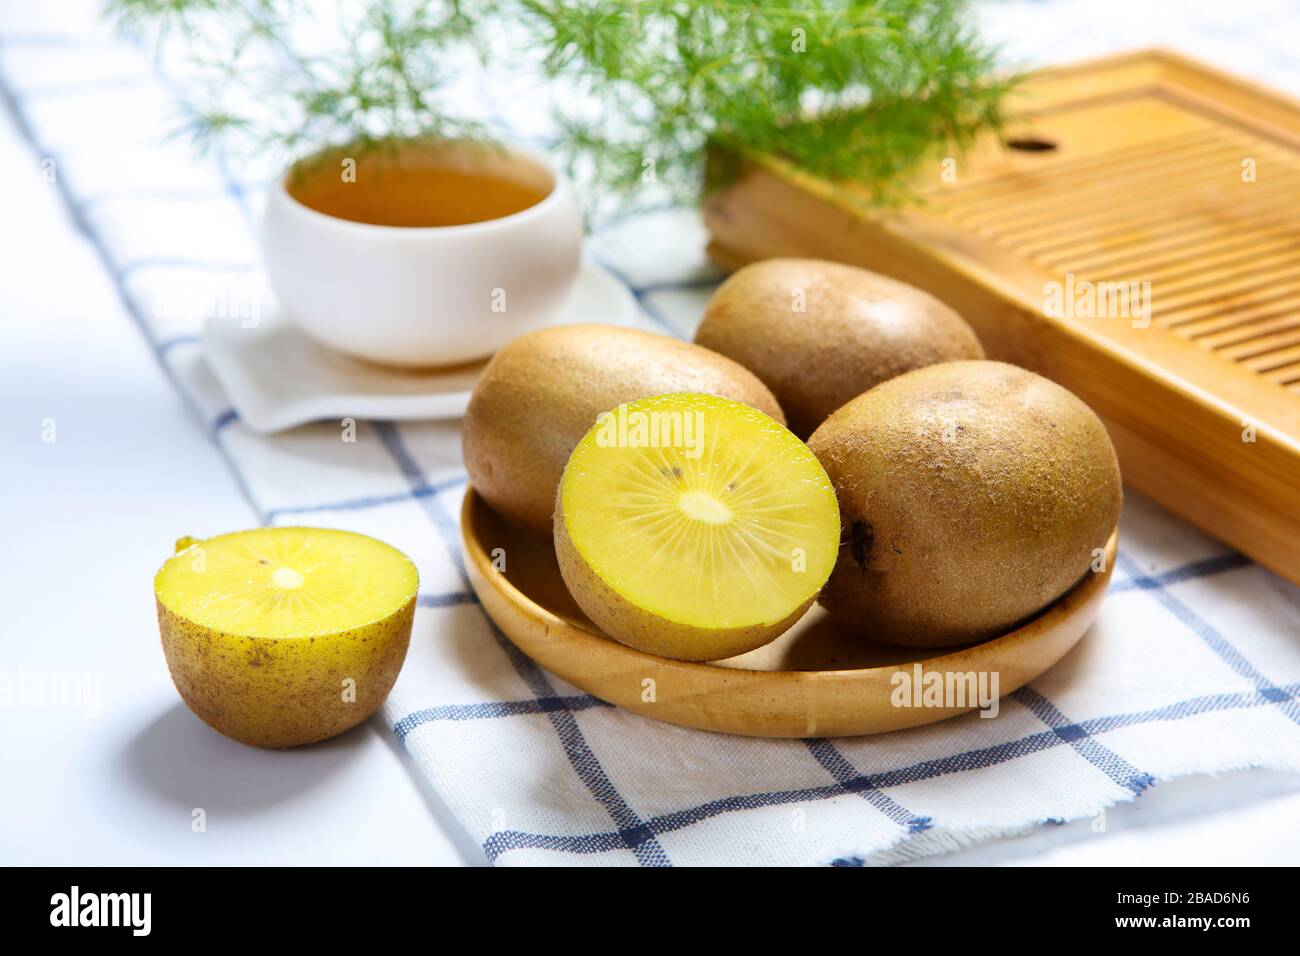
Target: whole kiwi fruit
540 394
821 333
972 495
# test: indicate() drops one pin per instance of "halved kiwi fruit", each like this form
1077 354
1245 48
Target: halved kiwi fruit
694 527
284 636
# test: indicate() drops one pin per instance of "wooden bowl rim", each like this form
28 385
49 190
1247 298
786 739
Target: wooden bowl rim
954 658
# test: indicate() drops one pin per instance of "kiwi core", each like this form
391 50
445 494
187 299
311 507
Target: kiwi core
702 506
287 578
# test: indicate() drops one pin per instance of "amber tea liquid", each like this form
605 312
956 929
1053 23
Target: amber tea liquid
393 194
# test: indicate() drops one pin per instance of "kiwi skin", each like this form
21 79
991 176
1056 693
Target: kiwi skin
859 329
540 394
628 624
279 692
972 495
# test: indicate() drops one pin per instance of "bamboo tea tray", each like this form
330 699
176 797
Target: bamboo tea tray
1142 168
812 681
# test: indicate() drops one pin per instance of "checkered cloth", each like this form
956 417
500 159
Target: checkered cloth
1193 665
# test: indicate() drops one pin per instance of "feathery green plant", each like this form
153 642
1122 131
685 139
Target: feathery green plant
847 89
856 89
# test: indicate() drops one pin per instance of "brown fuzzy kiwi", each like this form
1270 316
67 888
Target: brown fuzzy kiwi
855 330
972 495
541 393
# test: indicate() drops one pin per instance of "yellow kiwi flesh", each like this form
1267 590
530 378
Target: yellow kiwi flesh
698 546
284 636
821 333
972 495
540 394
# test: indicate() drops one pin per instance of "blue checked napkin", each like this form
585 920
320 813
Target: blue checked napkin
1193 665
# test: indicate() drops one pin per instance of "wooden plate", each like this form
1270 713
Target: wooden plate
813 681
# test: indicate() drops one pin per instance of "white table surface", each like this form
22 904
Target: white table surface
87 520
89 517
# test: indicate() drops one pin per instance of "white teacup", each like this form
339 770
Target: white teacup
425 295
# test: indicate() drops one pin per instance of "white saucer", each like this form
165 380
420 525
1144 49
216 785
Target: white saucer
277 377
